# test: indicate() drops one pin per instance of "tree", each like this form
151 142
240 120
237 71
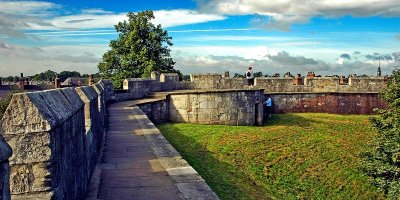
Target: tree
276 75
258 74
186 77
237 75
66 74
45 76
382 163
140 48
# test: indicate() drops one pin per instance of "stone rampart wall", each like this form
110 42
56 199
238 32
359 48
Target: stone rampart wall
55 136
5 153
240 107
287 84
335 103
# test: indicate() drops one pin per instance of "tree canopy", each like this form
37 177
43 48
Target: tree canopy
382 163
140 48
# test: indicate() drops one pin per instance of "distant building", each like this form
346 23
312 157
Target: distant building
310 74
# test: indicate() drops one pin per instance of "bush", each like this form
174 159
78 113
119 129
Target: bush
382 163
4 102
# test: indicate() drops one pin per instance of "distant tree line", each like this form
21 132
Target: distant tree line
49 75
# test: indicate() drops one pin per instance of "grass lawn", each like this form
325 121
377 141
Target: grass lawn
293 156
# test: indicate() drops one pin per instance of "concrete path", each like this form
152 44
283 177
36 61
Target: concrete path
138 163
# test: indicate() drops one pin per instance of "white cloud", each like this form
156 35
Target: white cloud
211 30
282 13
249 52
92 20
171 18
95 11
280 62
31 8
32 60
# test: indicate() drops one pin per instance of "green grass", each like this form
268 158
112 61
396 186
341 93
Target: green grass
294 156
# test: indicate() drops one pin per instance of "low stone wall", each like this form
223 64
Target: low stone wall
55 136
5 153
335 103
231 107
157 111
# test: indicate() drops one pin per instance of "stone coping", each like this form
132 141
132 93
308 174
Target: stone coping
186 178
204 91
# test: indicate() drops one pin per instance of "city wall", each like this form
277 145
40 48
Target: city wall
55 136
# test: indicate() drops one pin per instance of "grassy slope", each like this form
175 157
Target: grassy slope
294 156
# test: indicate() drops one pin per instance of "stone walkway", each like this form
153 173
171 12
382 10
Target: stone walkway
138 163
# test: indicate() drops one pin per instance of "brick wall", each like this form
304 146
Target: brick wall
338 103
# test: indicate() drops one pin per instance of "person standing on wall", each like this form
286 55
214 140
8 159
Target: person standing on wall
268 107
250 77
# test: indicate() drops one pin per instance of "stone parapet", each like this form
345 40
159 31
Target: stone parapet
55 136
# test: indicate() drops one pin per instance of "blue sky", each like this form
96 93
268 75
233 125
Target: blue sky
210 36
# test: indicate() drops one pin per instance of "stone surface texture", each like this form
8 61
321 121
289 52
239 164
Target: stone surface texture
55 136
335 103
232 107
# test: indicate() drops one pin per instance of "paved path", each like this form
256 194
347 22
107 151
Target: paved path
138 163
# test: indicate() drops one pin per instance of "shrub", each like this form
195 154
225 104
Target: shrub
382 163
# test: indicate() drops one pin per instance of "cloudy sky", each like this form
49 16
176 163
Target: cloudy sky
329 37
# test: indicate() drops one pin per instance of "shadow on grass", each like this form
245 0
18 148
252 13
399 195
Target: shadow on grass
289 120
226 180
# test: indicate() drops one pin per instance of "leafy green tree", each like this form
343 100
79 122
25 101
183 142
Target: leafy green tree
9 78
44 76
237 75
140 48
5 101
276 75
186 77
382 163
258 74
66 74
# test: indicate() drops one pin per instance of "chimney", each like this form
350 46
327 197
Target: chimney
57 82
90 80
21 84
226 75
298 80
